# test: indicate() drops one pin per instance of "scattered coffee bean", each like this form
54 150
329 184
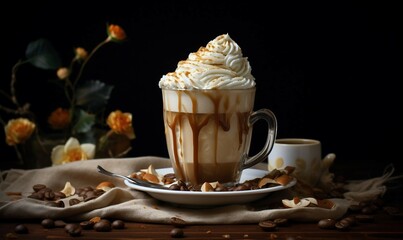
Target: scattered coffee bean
48 223
59 195
74 201
38 187
177 233
327 223
342 226
87 225
21 229
118 224
49 195
60 223
268 225
103 226
349 220
90 195
392 210
73 229
174 187
281 222
37 196
178 222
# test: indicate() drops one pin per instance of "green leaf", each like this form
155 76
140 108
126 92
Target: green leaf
93 95
84 122
42 54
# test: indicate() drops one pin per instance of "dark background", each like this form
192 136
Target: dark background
329 71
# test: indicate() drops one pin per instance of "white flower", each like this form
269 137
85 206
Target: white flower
72 151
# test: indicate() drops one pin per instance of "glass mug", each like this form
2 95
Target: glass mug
208 133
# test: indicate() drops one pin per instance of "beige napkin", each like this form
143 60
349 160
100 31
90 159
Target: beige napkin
127 204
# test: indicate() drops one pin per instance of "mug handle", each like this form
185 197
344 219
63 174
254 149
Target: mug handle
271 120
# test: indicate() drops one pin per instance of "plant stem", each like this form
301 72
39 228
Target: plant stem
88 58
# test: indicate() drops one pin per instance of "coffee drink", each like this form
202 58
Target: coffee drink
207 132
208 114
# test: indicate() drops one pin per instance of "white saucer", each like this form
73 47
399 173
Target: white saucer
194 198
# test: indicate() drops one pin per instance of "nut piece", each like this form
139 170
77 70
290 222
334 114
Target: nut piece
296 202
283 179
265 181
206 187
68 189
106 186
151 178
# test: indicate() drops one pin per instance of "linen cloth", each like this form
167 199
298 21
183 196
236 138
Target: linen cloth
128 204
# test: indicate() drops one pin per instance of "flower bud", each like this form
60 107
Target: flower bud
81 53
18 130
116 33
63 73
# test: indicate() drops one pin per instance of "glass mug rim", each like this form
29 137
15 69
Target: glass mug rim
210 90
295 142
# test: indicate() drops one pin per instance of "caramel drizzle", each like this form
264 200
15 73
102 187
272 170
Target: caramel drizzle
197 122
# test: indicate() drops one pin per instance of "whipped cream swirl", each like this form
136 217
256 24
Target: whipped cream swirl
219 65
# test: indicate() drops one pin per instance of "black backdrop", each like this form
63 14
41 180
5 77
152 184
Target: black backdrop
328 71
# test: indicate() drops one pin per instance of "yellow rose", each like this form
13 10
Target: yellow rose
59 119
121 123
115 32
18 130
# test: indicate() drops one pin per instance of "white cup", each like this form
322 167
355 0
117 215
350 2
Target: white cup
303 154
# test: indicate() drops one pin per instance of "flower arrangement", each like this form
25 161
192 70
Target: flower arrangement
80 120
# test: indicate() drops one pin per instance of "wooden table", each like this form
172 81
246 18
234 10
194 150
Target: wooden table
384 226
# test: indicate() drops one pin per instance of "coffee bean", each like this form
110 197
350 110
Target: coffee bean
177 233
74 201
36 195
392 210
175 187
60 223
38 187
349 220
118 224
178 222
73 229
281 222
60 204
49 195
48 223
268 225
241 187
59 195
327 223
342 226
103 226
21 229
87 225
90 195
